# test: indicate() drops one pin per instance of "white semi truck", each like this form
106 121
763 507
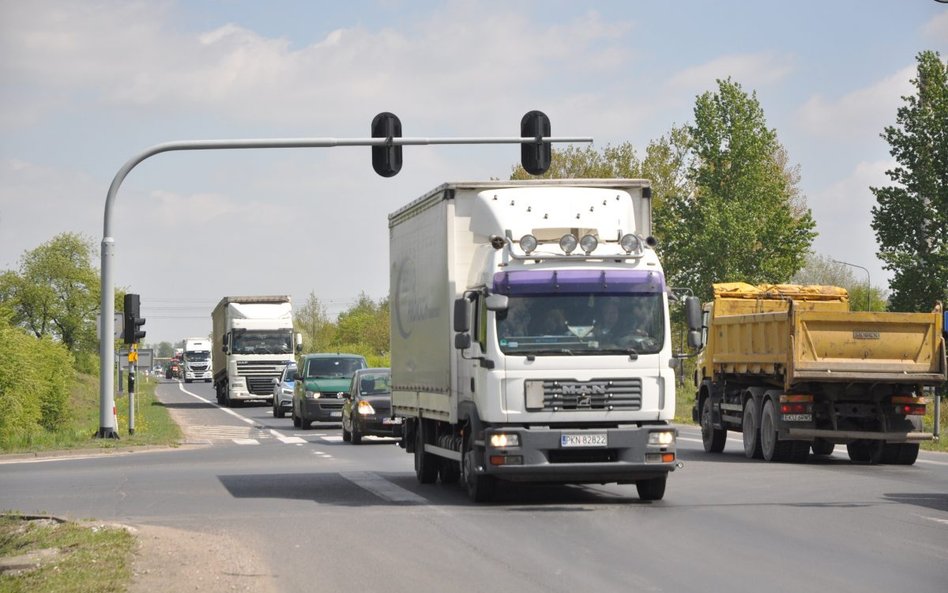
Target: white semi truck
253 342
196 360
509 361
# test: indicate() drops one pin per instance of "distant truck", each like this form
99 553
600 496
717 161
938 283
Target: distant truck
253 342
196 360
793 369
503 364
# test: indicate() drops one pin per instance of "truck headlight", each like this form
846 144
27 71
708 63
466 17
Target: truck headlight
504 440
662 438
365 408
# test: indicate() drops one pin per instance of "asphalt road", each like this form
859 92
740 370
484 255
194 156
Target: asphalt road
331 516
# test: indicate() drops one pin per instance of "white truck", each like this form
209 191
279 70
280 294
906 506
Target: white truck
253 342
196 360
508 360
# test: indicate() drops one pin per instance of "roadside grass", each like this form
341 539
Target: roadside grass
153 424
685 399
64 556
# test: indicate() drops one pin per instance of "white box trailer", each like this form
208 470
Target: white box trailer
486 390
253 342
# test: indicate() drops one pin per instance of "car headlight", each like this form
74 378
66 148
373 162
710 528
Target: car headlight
365 408
661 438
312 394
287 391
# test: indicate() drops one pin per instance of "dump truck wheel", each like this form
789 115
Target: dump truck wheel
772 448
900 453
712 438
751 431
823 447
865 451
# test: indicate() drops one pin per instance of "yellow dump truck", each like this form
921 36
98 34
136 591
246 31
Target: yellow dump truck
794 370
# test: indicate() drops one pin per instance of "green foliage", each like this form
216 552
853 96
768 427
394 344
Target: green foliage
35 377
362 329
911 216
744 220
824 270
588 163
55 293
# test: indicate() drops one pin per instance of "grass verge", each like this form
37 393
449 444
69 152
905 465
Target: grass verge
153 424
46 555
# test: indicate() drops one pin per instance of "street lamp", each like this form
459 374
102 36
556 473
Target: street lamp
868 281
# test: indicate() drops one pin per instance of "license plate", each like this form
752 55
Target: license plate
396 420
798 417
335 415
583 440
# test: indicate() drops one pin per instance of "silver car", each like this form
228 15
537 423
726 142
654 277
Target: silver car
283 391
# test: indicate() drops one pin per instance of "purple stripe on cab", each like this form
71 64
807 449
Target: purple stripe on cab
578 281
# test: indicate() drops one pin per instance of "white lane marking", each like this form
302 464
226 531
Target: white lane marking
246 441
214 403
383 488
337 438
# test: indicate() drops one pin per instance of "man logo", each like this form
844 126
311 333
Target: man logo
584 388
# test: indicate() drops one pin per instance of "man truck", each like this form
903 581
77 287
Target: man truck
196 360
253 343
793 369
501 367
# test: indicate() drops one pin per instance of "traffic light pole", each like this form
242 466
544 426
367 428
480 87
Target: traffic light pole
132 377
107 428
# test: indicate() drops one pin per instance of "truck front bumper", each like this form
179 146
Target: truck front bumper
571 455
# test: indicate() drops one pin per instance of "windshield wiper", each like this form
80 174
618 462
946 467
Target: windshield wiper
549 351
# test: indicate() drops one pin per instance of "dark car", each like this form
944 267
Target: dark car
283 391
368 407
321 384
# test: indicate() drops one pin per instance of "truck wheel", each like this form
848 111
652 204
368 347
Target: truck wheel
823 447
771 446
426 464
712 438
865 451
449 471
653 489
480 487
751 431
900 453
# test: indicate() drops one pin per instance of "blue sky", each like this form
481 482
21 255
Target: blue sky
87 85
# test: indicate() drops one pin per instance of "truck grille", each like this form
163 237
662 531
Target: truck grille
259 374
598 394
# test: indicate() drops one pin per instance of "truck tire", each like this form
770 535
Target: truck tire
426 464
712 438
652 489
480 487
771 446
751 431
865 451
823 447
900 453
449 471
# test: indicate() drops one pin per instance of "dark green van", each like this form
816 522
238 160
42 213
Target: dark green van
322 382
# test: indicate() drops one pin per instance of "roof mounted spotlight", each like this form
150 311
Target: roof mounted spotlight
630 243
497 242
528 243
568 243
588 243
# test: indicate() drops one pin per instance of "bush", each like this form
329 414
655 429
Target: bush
35 377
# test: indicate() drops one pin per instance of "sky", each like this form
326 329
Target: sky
87 85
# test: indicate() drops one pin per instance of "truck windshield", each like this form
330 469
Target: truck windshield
197 355
590 323
262 341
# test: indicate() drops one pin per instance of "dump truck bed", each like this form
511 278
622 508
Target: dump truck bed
800 334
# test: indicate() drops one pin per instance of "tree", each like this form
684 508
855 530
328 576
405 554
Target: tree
56 292
312 321
820 269
911 217
744 219
365 323
588 163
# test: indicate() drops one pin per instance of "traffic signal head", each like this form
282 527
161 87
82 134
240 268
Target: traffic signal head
131 333
387 160
535 156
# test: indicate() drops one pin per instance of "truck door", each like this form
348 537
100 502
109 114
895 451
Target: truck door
470 364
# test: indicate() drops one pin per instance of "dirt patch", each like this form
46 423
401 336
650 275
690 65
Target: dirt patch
175 560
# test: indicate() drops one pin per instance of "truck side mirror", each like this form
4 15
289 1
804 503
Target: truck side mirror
299 342
462 341
460 315
693 313
225 344
694 340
